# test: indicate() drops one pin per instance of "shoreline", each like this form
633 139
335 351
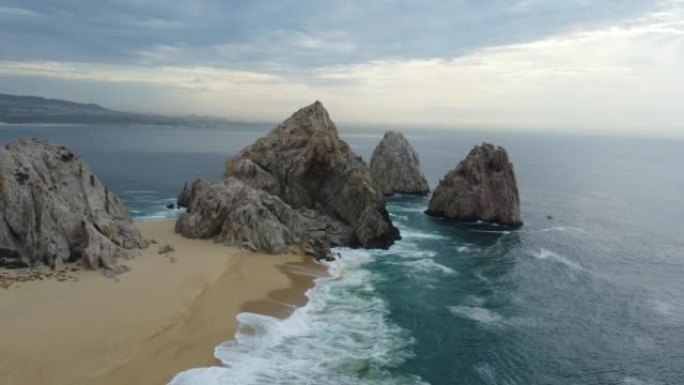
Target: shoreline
164 316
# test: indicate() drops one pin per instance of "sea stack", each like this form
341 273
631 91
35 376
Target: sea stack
53 210
482 187
395 167
303 182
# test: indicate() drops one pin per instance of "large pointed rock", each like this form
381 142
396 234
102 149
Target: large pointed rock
54 210
305 163
482 187
395 167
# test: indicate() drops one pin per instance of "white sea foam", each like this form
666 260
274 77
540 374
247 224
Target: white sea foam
563 228
545 254
405 209
427 265
634 381
476 313
662 307
504 232
473 300
407 250
462 249
481 277
157 215
399 217
342 336
486 372
412 234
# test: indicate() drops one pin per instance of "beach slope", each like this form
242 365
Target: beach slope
163 316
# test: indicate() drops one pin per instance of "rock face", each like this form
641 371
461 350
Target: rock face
236 214
305 163
481 187
54 210
395 167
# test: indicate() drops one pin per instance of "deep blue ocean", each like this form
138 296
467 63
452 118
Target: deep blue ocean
589 291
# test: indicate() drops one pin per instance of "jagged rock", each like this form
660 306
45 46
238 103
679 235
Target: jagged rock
305 163
395 167
54 210
481 187
237 214
187 193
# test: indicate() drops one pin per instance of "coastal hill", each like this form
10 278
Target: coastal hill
35 109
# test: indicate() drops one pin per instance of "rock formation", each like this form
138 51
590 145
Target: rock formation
54 210
395 167
300 187
236 214
481 187
305 163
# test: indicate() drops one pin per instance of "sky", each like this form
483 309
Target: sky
599 66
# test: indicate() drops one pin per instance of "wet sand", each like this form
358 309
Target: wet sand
164 316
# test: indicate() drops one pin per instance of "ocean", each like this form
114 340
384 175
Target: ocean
589 291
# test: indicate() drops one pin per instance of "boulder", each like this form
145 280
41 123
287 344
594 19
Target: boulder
482 187
395 167
53 209
305 164
237 214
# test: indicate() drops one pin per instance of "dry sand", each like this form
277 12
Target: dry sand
165 315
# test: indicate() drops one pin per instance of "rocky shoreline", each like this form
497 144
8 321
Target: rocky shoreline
299 189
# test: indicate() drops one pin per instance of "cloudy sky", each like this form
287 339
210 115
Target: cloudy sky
553 65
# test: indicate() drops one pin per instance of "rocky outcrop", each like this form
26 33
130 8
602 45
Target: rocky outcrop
481 187
305 164
53 209
237 214
395 167
187 194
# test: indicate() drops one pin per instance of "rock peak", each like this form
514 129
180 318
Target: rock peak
393 134
307 121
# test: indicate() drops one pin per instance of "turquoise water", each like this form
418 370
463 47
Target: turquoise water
589 291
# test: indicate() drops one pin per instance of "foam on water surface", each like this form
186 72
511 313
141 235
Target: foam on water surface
427 266
413 234
545 254
478 314
342 336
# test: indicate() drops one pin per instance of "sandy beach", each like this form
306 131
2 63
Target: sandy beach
163 316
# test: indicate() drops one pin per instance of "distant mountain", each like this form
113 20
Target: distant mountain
35 109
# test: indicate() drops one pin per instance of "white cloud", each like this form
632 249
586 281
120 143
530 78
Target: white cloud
623 79
17 12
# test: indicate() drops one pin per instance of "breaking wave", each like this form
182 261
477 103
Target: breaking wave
342 336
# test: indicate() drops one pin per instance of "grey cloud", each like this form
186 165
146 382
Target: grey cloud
286 35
